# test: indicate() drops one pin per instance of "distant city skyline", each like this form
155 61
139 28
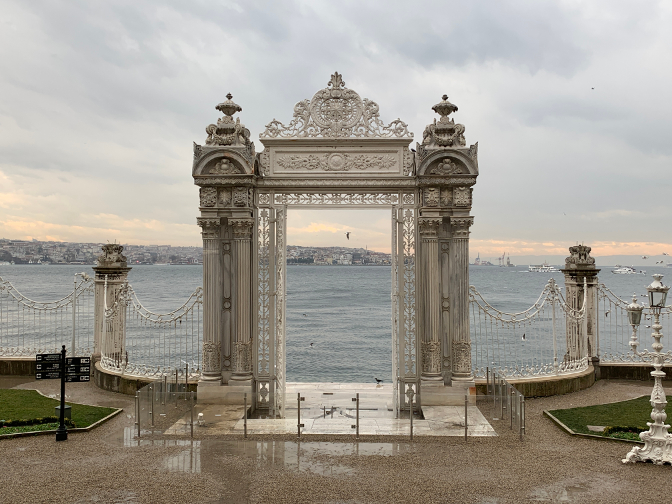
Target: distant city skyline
104 100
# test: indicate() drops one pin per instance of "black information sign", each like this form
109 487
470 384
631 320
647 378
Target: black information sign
48 366
77 378
48 357
78 361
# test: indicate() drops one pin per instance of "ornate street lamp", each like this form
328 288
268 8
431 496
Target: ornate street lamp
634 318
657 442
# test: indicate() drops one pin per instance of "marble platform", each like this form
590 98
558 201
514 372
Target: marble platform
328 409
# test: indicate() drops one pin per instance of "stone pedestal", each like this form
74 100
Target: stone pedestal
109 337
580 267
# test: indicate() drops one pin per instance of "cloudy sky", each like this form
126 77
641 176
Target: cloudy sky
569 101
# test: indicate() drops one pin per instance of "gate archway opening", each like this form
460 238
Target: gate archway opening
335 153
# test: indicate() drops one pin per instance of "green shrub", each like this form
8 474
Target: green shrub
36 421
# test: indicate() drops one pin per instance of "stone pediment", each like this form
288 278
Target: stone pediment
333 135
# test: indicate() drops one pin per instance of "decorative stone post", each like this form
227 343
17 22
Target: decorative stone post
212 272
242 238
111 274
579 266
459 298
430 300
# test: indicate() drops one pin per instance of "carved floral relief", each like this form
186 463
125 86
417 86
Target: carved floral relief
208 196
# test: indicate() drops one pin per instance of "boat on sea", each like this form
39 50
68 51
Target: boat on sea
542 268
627 270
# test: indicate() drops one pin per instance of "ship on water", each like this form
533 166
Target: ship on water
478 261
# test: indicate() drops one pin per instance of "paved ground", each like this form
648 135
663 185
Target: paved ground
109 466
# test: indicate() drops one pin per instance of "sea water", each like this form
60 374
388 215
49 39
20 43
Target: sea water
344 311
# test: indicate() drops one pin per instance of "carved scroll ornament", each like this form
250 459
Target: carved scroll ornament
336 162
112 255
336 112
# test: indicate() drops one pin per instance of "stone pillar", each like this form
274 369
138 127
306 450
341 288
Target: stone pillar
242 255
212 272
111 272
459 298
579 266
430 299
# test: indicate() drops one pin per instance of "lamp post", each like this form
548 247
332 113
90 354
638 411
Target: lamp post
657 442
634 319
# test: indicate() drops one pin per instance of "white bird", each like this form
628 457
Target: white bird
347 234
660 262
665 253
523 338
606 313
200 419
645 257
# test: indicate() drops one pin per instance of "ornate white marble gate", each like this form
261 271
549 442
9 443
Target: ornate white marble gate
335 153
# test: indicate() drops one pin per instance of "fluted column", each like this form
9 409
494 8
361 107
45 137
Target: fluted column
212 272
459 298
242 240
430 299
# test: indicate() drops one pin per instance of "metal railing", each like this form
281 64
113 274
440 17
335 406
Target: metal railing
615 333
29 327
154 344
545 339
165 406
507 403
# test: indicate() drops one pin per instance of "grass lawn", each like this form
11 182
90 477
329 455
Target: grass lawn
28 404
633 413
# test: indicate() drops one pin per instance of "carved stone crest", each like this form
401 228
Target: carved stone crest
446 167
579 257
208 196
112 256
336 112
223 167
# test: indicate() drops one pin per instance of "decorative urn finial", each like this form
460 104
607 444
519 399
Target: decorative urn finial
444 108
229 107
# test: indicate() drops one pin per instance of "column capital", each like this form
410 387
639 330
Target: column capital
209 227
242 228
461 226
429 227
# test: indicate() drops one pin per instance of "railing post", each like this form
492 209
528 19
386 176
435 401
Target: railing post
466 405
245 416
151 411
411 416
511 405
192 413
298 423
356 426
137 412
555 339
74 316
522 417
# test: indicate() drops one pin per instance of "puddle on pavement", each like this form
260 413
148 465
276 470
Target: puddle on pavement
574 490
312 457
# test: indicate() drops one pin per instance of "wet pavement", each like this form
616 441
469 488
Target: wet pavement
110 465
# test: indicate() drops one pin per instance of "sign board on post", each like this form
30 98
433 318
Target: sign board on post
78 369
48 366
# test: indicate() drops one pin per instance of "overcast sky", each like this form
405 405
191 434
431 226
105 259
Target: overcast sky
100 103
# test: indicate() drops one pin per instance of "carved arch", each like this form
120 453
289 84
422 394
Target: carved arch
222 162
431 165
